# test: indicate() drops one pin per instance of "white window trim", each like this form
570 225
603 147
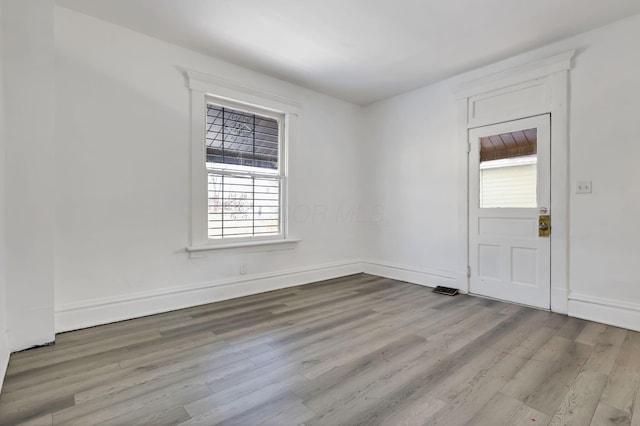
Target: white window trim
203 87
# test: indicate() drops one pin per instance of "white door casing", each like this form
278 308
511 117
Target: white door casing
489 97
507 258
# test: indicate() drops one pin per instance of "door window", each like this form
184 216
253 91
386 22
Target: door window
508 170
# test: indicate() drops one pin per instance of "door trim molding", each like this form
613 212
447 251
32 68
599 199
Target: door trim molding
540 87
518 74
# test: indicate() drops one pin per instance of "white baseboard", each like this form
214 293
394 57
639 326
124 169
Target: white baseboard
4 359
94 312
414 275
4 363
606 311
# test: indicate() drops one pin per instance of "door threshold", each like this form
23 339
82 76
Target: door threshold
509 301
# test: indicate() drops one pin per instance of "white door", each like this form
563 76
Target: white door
509 190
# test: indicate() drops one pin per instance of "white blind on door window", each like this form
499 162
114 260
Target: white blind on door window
511 186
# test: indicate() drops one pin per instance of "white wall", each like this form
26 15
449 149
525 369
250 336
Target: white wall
28 172
411 139
411 166
605 148
122 196
4 343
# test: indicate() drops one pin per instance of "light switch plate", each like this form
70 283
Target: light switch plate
583 187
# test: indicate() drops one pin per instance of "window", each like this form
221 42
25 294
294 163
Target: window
239 138
508 170
244 171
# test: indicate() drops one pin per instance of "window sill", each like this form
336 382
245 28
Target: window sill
285 244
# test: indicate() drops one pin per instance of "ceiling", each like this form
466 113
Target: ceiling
359 50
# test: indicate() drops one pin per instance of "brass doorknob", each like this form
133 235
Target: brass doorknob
544 225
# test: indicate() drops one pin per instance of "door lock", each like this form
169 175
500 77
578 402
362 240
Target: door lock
544 226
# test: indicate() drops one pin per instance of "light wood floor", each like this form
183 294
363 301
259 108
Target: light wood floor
356 350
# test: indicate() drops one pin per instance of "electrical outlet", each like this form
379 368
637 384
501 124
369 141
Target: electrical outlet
583 187
243 268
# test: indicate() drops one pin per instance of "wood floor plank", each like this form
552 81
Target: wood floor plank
514 357
54 359
590 334
572 328
499 410
363 376
312 348
298 414
209 365
26 409
266 411
416 414
457 337
294 317
581 400
403 388
635 418
220 407
131 410
362 345
46 420
545 379
77 348
465 404
352 350
606 350
99 399
527 416
479 359
70 384
624 379
608 415
148 417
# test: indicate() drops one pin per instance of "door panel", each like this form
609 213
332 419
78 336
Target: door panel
509 187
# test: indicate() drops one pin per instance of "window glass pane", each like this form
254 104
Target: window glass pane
508 170
243 206
242 139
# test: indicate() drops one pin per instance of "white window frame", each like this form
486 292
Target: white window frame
208 89
233 170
